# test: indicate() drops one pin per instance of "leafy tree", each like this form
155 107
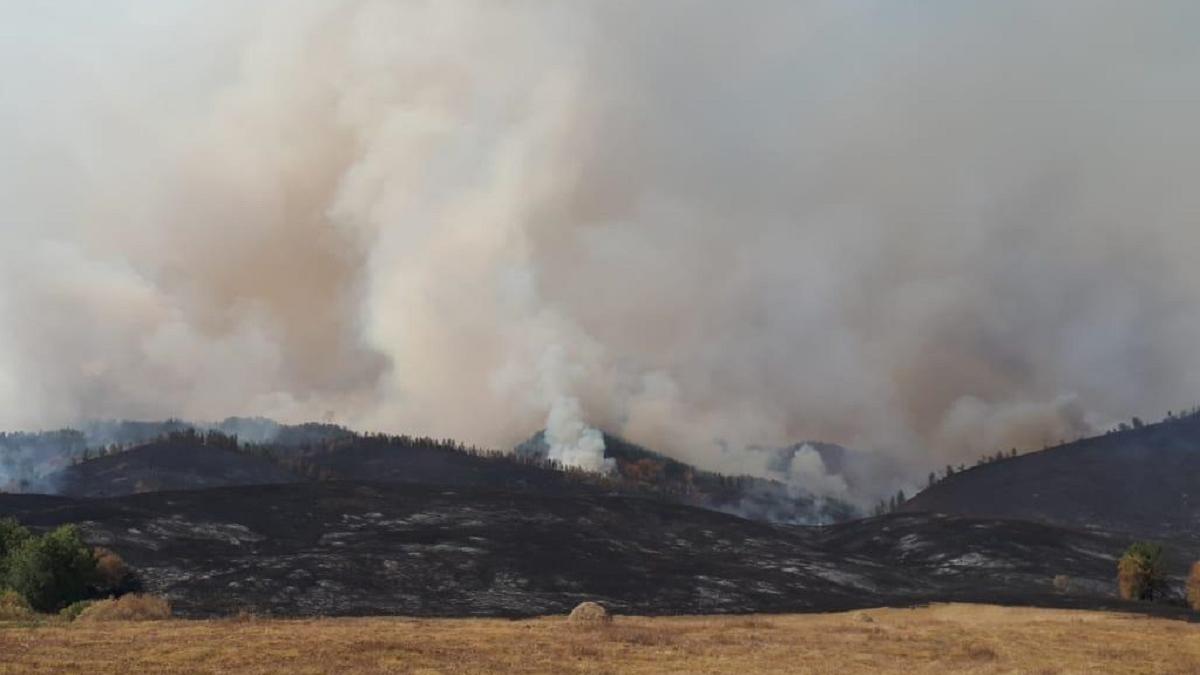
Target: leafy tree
52 571
1140 572
12 535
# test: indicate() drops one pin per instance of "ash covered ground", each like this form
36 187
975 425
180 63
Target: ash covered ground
351 548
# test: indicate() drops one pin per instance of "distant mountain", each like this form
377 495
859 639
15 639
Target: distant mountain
183 460
258 430
242 451
748 496
26 458
1142 480
191 459
30 460
428 461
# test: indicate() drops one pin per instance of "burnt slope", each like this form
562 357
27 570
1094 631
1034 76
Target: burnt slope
191 459
180 462
639 469
1142 481
361 548
415 461
30 460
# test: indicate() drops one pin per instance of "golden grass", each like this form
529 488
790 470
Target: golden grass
131 607
13 606
938 639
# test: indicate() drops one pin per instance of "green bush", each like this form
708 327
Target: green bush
73 610
53 570
12 535
1140 572
56 570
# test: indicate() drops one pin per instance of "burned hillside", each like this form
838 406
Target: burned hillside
1142 479
333 548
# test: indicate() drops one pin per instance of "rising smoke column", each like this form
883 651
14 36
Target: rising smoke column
936 231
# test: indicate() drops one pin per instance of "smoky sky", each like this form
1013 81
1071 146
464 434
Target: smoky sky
926 229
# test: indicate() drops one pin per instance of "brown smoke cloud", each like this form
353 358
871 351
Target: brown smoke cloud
932 231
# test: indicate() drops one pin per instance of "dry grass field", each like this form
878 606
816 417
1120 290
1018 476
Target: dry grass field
941 639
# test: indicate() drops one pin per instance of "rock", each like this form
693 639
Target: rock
589 612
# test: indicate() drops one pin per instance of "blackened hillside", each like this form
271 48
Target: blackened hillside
1139 480
747 496
185 460
191 460
334 548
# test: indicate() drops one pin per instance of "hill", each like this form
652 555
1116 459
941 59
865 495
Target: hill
189 459
343 548
184 460
1142 480
30 460
747 496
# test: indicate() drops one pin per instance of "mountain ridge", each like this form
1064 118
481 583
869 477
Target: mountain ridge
1143 479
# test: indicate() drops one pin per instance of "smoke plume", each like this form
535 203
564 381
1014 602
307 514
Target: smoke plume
932 230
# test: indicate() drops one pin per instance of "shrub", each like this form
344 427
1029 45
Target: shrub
1140 574
12 535
131 607
73 610
1193 587
1062 583
14 606
112 574
53 570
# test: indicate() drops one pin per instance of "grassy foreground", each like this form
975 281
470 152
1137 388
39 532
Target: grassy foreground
941 639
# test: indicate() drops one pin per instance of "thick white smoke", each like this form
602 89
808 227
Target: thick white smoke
808 469
571 442
935 230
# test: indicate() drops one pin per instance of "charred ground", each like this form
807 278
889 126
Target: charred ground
343 548
330 522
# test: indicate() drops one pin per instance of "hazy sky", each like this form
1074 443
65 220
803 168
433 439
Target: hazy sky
931 229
